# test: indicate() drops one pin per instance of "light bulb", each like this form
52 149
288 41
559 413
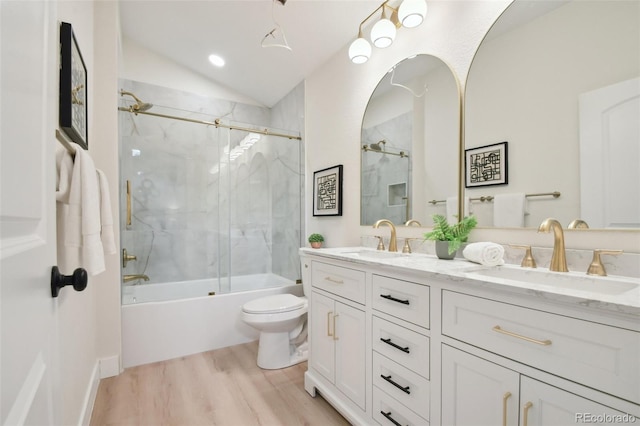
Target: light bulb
412 12
383 33
359 51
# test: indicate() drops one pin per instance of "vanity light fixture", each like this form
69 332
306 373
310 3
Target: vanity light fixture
384 31
409 14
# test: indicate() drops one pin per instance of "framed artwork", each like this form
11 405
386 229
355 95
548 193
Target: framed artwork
73 88
486 165
327 192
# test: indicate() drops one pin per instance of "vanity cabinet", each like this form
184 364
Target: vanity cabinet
420 345
339 345
476 392
337 330
593 354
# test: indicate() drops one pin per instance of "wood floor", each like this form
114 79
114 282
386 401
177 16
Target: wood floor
221 387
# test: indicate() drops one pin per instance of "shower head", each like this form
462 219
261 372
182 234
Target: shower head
378 146
139 106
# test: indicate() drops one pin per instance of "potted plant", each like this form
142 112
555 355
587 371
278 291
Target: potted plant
316 240
449 237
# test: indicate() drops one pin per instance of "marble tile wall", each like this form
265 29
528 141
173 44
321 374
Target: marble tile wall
196 213
382 173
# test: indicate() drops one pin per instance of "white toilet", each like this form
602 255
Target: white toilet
282 321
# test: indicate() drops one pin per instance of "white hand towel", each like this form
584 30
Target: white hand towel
82 241
106 216
452 209
64 168
488 254
509 210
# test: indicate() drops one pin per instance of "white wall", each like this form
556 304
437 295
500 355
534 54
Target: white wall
337 95
142 64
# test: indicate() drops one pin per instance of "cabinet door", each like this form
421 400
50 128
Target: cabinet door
543 404
349 335
321 335
476 392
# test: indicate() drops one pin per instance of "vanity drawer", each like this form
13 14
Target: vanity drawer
403 299
345 282
596 355
403 384
387 411
401 345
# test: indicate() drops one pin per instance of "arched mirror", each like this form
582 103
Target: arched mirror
410 143
559 83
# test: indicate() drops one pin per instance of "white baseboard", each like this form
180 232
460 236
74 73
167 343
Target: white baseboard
90 396
110 366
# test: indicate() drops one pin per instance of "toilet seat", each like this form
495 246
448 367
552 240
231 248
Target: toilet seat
274 304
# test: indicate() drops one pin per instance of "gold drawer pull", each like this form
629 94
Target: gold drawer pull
333 280
525 413
504 408
519 336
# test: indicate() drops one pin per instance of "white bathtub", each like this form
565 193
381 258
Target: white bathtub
159 330
161 292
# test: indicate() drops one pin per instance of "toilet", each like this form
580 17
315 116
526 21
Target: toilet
282 322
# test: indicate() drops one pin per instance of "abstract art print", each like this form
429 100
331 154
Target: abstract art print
486 165
327 192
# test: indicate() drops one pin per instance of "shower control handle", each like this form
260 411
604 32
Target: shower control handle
127 258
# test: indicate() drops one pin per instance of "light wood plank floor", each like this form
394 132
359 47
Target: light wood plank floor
221 387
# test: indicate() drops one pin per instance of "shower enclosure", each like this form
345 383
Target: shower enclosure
209 205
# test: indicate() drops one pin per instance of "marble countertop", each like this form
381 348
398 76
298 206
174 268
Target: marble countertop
611 293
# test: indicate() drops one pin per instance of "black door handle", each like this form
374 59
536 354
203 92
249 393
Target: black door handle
78 280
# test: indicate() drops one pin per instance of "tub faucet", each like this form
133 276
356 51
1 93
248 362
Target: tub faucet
558 257
392 241
127 278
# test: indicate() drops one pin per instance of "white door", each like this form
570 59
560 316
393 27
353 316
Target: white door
609 156
27 213
476 392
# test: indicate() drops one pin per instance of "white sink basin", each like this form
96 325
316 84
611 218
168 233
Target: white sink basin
566 280
374 254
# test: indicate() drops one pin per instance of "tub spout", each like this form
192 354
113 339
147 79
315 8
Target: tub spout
127 278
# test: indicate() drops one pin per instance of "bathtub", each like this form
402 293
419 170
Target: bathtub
157 326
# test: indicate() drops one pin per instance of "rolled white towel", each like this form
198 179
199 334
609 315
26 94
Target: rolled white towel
488 254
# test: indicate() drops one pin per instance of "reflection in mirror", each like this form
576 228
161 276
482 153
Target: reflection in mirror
410 144
559 81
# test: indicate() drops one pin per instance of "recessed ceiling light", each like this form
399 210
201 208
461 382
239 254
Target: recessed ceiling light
216 60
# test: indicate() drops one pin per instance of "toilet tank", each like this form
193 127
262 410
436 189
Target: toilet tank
305 266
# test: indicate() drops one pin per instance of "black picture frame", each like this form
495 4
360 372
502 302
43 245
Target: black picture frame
327 191
486 165
73 109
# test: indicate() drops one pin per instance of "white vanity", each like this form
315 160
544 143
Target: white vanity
413 340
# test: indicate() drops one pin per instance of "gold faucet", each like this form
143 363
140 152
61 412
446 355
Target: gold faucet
578 224
407 246
392 241
127 278
558 257
596 267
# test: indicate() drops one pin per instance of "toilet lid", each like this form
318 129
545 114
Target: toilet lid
275 303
